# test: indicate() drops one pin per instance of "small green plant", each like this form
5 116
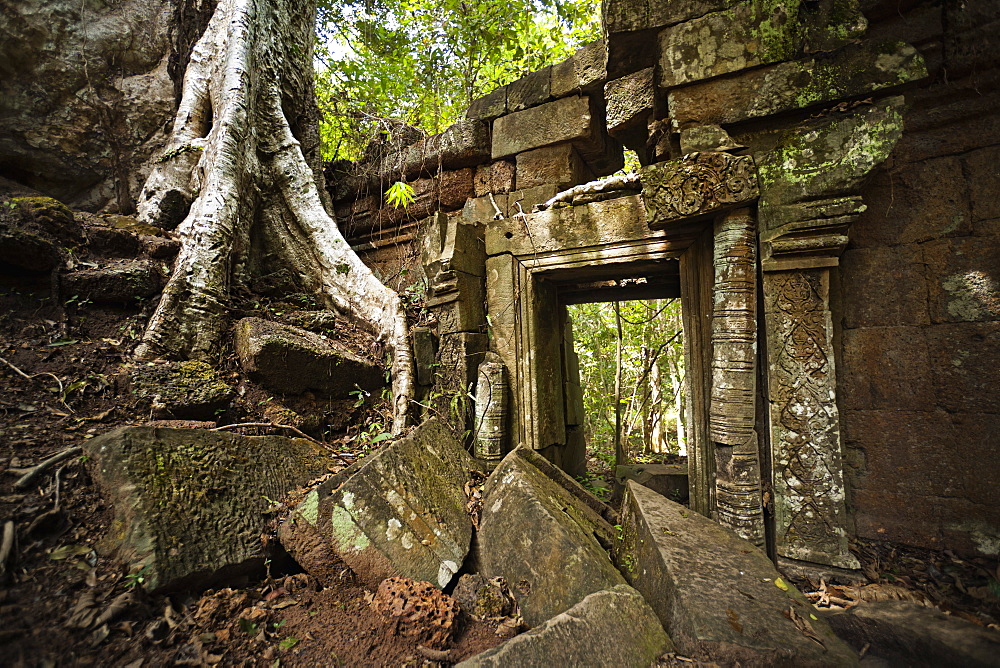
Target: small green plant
399 195
621 531
288 643
247 626
359 396
78 301
138 578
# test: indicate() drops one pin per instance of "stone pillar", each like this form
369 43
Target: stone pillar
808 200
734 377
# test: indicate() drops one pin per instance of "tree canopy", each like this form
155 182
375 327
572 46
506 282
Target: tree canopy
382 63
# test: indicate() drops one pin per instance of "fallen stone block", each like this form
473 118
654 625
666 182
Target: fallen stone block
121 283
718 596
903 633
402 513
189 505
181 390
542 539
630 101
669 480
615 627
290 360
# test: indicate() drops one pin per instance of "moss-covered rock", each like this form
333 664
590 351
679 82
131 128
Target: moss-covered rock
189 505
190 389
401 514
124 282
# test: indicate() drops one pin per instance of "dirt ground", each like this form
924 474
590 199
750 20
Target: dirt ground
66 604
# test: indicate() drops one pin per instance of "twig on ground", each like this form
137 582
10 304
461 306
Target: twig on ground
26 376
7 550
294 430
29 476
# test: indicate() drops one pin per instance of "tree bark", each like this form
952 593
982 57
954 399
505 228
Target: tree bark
237 174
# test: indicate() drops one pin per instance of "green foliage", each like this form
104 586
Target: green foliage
652 373
388 63
399 195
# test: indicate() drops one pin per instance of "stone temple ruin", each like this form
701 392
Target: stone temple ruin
819 187
810 191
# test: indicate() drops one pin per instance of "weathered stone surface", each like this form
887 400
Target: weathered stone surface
889 368
669 480
65 73
483 210
809 498
483 599
628 15
523 201
190 389
697 184
290 360
120 283
402 513
615 627
630 100
583 72
986 164
706 138
965 358
868 274
750 34
619 219
489 106
963 277
560 165
190 504
903 633
851 72
496 177
566 119
33 229
418 610
464 144
718 597
541 539
530 90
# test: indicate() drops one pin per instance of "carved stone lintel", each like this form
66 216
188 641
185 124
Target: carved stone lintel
810 512
695 185
734 375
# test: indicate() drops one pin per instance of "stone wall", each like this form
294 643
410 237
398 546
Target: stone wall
920 292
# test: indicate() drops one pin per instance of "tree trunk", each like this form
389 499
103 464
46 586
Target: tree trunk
237 174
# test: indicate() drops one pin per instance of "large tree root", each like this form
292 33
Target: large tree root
252 192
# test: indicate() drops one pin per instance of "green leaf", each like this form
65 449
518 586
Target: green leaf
288 643
67 551
62 342
399 194
381 437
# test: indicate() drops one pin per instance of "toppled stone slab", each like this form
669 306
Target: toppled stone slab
189 505
718 596
181 390
291 360
615 627
669 480
120 283
402 513
543 540
904 633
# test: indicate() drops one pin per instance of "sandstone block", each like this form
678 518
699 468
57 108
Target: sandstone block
669 480
530 90
627 15
189 505
401 513
614 627
870 274
630 100
904 633
718 596
120 283
728 181
522 201
583 72
560 165
489 106
566 119
962 279
749 34
541 539
291 360
851 72
885 367
496 177
190 389
965 358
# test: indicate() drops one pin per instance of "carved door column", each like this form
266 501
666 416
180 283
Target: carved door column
809 187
